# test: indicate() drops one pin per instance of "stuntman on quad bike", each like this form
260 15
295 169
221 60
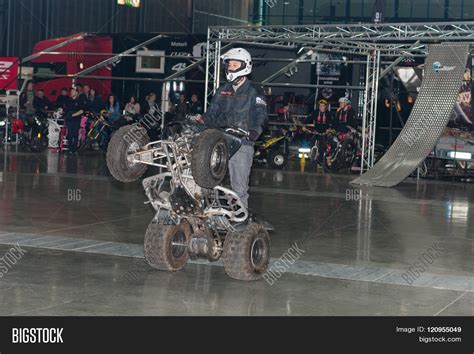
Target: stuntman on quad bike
195 215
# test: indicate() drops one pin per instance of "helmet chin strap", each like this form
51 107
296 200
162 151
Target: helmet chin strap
238 80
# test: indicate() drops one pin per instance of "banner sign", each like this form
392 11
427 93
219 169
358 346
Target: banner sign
8 73
379 11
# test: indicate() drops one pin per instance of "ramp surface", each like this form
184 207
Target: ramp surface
443 77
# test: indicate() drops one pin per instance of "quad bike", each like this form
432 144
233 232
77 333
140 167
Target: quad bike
195 215
274 150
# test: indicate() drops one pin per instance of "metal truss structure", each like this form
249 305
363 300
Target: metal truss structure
381 46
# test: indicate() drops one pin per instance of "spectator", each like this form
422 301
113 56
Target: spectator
74 111
80 89
284 112
132 108
151 106
84 96
41 102
27 98
181 108
94 103
113 108
62 100
195 107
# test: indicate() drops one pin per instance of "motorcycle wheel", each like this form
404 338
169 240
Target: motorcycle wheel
210 158
277 159
125 141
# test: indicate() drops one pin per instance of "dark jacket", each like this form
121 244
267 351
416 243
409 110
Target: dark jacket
24 99
195 108
62 101
94 104
42 104
73 106
146 108
181 109
245 109
321 120
345 118
84 99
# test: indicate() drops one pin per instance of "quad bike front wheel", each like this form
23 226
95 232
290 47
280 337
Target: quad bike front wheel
127 140
210 158
165 246
246 254
277 159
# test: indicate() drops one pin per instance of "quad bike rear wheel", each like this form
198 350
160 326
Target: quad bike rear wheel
277 159
210 158
246 254
165 246
126 140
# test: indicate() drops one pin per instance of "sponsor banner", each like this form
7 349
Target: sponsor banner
8 73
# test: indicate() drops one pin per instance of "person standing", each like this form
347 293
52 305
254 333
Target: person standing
62 99
74 110
84 97
27 98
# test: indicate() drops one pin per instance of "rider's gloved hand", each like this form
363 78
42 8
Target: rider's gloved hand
253 135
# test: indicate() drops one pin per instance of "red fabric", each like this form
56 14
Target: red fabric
17 125
8 73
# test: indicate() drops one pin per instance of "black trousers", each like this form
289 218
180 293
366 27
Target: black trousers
73 125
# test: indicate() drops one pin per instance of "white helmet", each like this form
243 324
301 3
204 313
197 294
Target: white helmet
344 100
241 55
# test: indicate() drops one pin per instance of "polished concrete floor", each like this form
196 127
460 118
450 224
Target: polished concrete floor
358 244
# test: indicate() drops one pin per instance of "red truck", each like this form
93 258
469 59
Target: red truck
71 59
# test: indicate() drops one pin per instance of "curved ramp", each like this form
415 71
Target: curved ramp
429 117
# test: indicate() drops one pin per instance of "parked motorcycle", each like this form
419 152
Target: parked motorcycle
98 134
35 135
